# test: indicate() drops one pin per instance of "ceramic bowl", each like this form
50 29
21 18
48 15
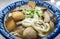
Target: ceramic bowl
39 3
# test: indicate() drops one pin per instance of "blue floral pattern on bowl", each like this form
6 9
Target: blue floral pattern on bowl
39 3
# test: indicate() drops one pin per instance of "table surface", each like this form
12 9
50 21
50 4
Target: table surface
4 3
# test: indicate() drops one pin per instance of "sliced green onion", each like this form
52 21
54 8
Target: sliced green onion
28 16
39 14
31 15
23 11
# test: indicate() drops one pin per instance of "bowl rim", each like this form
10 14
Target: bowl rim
19 3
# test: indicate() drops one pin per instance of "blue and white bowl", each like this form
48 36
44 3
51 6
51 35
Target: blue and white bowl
20 3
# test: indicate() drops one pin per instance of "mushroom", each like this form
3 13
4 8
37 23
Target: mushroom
32 4
29 33
53 18
21 8
17 16
43 9
51 26
50 14
10 24
25 7
16 9
46 17
19 31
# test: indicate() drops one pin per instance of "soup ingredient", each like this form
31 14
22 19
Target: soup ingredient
17 15
40 8
29 33
16 9
44 28
52 26
46 17
26 23
32 4
17 37
31 12
10 24
17 32
53 18
10 14
43 34
50 14
40 14
25 7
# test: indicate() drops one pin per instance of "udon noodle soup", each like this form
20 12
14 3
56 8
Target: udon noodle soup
30 21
